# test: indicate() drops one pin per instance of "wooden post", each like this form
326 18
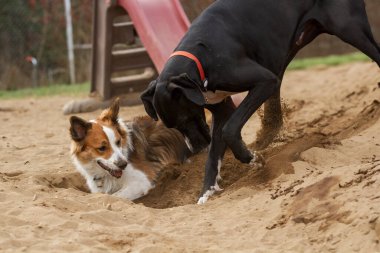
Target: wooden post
70 41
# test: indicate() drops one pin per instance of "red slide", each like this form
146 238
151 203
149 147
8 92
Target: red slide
160 24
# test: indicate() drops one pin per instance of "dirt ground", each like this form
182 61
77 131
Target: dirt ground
319 191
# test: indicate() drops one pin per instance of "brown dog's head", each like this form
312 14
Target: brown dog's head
99 144
179 104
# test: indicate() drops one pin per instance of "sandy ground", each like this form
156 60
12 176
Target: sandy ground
319 191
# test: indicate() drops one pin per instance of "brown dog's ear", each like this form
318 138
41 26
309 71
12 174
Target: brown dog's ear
112 113
147 99
188 87
78 128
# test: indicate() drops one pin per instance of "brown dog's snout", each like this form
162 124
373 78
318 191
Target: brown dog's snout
121 164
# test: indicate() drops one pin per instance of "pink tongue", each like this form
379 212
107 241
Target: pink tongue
117 173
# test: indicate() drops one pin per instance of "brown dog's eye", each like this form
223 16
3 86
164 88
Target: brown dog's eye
102 149
118 143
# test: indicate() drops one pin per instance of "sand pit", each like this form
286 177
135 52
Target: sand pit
317 193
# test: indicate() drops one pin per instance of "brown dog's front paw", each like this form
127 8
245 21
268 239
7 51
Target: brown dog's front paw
257 160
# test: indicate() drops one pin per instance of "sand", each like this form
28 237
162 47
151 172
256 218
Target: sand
319 191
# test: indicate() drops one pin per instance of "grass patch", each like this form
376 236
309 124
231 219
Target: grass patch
332 60
51 90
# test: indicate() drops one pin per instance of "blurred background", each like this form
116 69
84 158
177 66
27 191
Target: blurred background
33 48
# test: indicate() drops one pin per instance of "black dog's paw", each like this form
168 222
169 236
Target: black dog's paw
206 195
257 160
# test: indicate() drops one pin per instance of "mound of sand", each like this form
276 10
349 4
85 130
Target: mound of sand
317 193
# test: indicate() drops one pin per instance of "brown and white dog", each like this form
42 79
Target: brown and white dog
123 158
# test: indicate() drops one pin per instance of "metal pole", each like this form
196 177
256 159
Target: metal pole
70 41
35 72
34 63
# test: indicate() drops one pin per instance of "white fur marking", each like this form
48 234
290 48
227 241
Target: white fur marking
252 162
117 151
128 128
89 171
137 184
202 200
219 177
216 188
189 146
257 160
205 84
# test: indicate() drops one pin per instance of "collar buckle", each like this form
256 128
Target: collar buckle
205 84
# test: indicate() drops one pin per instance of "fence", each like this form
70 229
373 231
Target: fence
32 37
326 44
323 45
33 40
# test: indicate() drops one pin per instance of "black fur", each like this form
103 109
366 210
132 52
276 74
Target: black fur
245 45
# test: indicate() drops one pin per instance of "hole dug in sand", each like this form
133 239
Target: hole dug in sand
181 185
61 181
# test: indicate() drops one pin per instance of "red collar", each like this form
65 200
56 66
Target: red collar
195 59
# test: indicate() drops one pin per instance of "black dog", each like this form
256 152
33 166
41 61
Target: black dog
244 45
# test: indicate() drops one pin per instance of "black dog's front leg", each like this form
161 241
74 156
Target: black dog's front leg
220 114
259 92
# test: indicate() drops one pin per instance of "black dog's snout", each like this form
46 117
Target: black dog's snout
121 164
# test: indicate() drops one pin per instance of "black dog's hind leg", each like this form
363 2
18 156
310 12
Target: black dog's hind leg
261 84
273 117
220 114
362 39
338 18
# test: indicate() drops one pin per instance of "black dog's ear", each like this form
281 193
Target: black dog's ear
147 99
188 87
78 128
